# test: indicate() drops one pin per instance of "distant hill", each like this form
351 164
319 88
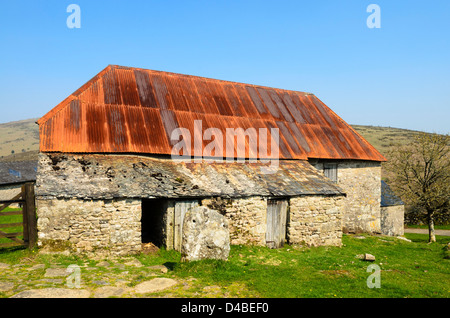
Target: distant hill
382 138
19 140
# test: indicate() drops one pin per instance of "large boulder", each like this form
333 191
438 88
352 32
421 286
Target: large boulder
205 235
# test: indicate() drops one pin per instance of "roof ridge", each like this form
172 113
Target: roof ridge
208 78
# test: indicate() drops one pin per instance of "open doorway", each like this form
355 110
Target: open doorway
153 221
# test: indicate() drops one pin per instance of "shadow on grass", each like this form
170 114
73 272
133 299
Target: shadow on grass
6 250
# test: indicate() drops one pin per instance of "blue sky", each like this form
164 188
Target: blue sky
396 75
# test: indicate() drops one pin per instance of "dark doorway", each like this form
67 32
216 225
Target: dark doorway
153 220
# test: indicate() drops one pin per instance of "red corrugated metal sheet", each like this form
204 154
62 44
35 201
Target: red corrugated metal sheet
130 110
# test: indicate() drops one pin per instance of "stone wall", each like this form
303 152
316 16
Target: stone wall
82 205
361 181
392 220
315 220
312 220
113 227
90 226
247 218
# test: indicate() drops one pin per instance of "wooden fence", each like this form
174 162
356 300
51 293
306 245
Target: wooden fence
26 199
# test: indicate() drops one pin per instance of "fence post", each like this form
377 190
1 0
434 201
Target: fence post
29 215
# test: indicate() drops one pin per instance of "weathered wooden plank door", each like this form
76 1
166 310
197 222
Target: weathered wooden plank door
181 207
276 223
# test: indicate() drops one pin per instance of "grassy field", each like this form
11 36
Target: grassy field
18 137
383 138
11 219
408 270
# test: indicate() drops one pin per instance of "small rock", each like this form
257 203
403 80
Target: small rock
119 265
160 268
369 257
37 266
403 238
5 286
155 285
53 280
109 291
56 272
100 282
134 262
53 293
149 248
3 265
104 264
212 289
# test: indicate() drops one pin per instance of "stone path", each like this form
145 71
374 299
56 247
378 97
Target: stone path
122 278
102 280
425 231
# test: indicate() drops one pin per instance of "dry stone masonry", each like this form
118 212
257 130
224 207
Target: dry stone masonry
360 180
97 204
90 226
247 218
315 220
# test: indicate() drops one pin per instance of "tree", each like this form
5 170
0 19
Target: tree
420 174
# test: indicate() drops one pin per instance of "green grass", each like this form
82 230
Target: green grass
5 219
408 269
383 138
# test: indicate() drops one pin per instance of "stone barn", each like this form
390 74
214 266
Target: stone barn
125 156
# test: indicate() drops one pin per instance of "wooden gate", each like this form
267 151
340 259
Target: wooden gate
181 207
276 223
27 200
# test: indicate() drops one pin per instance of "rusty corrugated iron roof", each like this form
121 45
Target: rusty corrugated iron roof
132 110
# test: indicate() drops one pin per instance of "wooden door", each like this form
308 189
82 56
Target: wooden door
181 207
276 223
